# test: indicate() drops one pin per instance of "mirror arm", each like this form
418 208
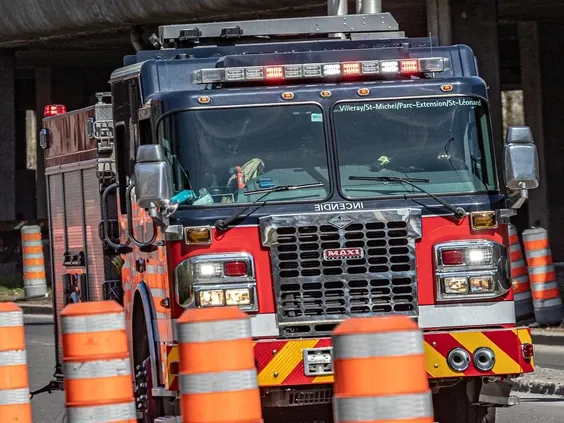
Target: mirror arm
524 197
129 209
105 219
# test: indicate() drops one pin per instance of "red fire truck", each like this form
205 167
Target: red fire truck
306 170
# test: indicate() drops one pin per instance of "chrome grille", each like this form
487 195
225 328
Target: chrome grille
314 292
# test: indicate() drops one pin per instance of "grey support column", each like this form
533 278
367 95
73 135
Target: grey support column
531 84
42 98
7 135
439 22
475 23
550 48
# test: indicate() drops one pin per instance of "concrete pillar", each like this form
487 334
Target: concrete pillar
439 22
531 84
551 42
7 135
475 24
42 98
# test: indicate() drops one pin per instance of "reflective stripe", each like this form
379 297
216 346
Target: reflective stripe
159 293
161 316
127 286
466 315
536 270
538 253
14 396
523 296
102 413
9 319
554 302
522 279
95 323
518 263
240 380
32 256
262 325
12 358
544 286
99 368
31 229
31 269
388 407
155 269
536 234
378 344
32 244
226 330
513 248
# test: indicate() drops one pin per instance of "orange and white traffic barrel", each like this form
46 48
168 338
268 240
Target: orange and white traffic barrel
96 364
217 377
35 281
15 403
520 276
547 303
380 374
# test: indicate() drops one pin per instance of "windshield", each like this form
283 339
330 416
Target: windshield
446 141
222 153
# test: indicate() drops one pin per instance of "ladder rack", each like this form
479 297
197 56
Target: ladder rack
317 26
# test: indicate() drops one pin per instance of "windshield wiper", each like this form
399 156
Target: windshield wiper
458 212
223 224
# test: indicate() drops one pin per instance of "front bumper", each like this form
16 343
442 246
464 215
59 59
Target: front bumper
281 362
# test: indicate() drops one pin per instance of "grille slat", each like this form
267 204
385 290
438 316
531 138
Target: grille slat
312 291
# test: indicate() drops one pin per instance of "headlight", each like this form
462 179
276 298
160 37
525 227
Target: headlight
471 269
217 280
456 285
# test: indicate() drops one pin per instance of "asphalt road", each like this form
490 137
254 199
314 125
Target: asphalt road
50 408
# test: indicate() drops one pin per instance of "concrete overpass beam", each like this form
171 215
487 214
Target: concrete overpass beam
7 135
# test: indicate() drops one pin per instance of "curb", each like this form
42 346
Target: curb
538 386
36 309
544 338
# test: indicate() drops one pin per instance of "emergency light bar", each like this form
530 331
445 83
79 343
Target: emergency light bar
320 70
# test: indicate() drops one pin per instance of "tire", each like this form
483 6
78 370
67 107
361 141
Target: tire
141 356
304 414
451 405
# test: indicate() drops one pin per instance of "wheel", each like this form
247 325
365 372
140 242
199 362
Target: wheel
152 407
303 414
451 405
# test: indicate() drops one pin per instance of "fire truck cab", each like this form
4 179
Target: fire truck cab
310 170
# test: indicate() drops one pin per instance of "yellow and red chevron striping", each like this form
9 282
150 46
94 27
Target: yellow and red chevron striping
280 362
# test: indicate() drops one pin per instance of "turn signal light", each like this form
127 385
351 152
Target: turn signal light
198 236
483 220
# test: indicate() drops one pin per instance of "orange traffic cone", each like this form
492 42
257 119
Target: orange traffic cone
14 382
218 378
380 374
97 368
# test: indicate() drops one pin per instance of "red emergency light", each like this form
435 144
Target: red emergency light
54 110
333 70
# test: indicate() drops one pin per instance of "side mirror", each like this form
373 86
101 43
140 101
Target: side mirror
153 183
521 163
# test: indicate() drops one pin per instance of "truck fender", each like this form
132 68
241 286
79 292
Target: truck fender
143 294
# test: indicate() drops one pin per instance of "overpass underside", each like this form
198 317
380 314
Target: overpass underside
62 52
